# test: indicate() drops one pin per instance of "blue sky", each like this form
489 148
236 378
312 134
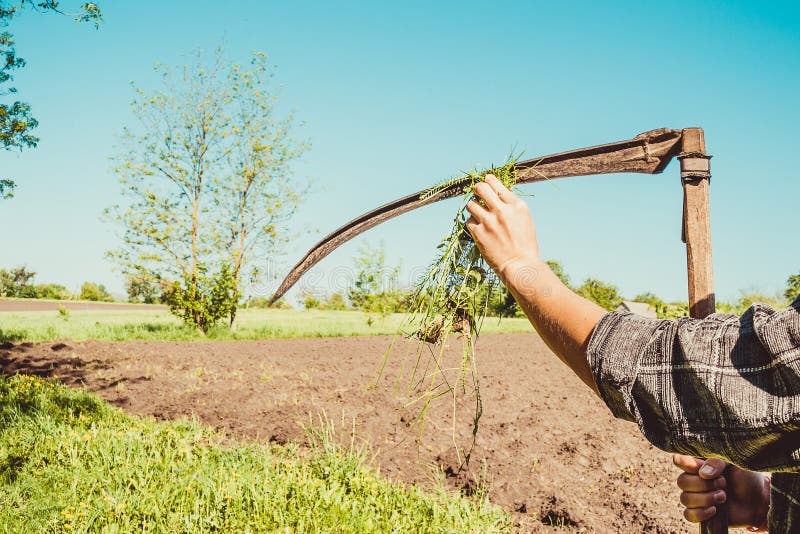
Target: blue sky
397 96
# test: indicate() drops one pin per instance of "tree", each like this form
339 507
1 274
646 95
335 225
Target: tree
95 292
13 283
207 178
16 120
259 196
144 287
792 287
603 294
374 289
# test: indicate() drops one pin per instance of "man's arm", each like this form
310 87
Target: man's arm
506 236
725 386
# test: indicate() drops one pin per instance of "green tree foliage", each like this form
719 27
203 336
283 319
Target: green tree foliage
95 292
264 303
18 283
208 181
664 310
46 291
792 287
16 120
747 299
374 289
142 286
201 301
603 294
14 281
503 303
334 302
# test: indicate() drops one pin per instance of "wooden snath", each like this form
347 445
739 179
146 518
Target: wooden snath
696 178
647 153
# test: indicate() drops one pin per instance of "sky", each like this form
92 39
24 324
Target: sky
397 96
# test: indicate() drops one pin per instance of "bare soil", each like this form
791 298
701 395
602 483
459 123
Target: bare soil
547 448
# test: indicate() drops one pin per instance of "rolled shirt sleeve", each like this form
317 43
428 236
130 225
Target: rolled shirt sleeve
725 387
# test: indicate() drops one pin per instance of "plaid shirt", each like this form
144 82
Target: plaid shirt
725 387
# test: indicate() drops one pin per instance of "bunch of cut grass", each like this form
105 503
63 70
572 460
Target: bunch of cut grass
452 298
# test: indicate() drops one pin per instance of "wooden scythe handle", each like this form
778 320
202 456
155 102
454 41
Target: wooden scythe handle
695 175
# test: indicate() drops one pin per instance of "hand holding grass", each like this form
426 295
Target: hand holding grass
503 228
505 234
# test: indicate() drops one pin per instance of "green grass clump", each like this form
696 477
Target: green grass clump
453 298
125 325
69 462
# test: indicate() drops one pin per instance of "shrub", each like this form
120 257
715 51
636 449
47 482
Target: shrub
95 292
202 301
13 282
603 294
263 303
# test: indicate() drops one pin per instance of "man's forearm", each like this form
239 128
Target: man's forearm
563 319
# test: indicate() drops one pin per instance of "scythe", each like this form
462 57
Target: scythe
647 153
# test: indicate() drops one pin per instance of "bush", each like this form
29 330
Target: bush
792 287
263 303
747 299
202 301
95 292
144 287
503 304
45 291
373 290
604 295
335 302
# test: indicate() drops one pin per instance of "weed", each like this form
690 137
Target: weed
453 298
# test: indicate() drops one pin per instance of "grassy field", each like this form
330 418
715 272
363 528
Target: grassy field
69 462
114 325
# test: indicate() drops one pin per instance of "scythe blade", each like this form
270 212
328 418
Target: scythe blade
647 153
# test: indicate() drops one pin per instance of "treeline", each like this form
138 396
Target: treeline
374 290
19 283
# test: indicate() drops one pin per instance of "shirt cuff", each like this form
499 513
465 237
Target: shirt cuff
615 349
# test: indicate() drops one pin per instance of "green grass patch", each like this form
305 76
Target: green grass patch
123 325
70 462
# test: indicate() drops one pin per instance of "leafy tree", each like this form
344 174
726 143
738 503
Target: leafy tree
207 177
46 291
258 195
374 289
95 292
16 120
503 303
144 287
201 300
603 294
334 302
13 283
792 287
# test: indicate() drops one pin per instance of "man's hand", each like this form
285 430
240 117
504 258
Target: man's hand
505 234
503 229
703 487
